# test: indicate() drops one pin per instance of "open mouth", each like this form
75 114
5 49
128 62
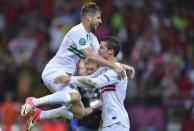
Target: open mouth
97 25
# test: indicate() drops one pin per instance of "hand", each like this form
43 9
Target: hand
88 111
62 79
120 71
130 71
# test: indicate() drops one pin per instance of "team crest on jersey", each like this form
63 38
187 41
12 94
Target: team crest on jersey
82 41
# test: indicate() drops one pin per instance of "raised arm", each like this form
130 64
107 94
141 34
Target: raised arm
100 60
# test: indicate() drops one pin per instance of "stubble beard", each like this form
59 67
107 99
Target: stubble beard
92 27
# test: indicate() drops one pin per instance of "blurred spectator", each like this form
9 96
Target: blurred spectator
2 22
9 112
169 86
22 47
53 126
185 85
24 84
146 118
188 122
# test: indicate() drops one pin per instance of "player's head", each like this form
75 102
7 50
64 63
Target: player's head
92 14
90 67
110 46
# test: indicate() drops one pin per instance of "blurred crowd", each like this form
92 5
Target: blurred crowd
157 39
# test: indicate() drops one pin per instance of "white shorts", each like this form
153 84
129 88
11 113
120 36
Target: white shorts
114 127
49 77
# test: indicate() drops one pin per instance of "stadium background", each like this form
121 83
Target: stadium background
157 39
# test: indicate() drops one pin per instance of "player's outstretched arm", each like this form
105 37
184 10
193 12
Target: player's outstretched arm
108 78
78 80
100 60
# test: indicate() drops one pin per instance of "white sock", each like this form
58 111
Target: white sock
58 113
59 97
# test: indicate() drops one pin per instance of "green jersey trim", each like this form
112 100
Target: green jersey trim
75 51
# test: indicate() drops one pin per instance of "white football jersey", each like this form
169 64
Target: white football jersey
69 52
113 93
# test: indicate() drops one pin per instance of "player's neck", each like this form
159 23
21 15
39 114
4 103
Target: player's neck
86 26
112 59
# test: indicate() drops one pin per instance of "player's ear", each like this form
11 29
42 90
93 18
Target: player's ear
89 17
111 51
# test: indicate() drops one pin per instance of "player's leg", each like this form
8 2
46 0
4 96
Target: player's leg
58 113
70 94
78 110
63 112
39 115
77 107
66 95
60 97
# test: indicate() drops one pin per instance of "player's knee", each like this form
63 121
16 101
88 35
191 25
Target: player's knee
75 97
80 115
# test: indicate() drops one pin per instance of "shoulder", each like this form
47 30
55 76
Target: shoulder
93 36
95 40
76 31
112 71
119 64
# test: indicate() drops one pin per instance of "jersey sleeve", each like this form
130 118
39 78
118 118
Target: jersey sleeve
79 38
108 78
97 73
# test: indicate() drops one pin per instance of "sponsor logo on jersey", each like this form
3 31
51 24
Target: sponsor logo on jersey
82 41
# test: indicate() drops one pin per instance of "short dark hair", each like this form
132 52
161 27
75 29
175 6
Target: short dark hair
89 8
112 43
